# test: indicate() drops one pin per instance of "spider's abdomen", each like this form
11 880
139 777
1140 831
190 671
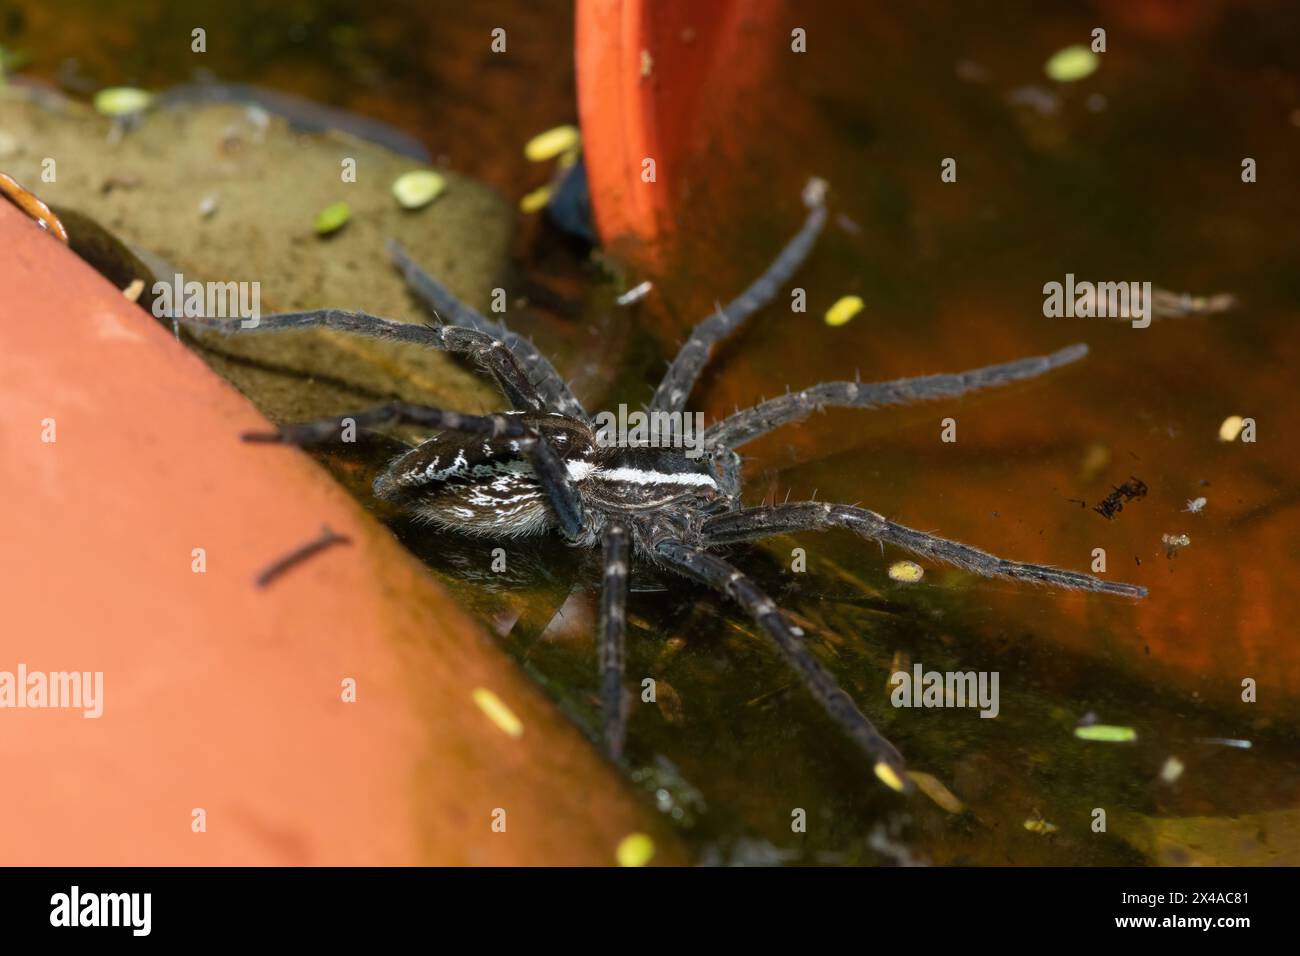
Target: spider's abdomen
481 485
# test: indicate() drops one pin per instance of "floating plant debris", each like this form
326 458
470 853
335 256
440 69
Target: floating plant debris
1174 543
332 218
552 143
1040 826
1172 770
844 310
418 188
116 101
1114 502
635 849
1225 742
1176 304
1072 64
498 712
1231 428
636 293
1106 733
908 572
885 773
536 200
936 791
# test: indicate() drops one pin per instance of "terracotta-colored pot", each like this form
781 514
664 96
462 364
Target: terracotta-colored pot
121 459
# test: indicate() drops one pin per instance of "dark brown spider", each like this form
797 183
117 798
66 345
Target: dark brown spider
541 466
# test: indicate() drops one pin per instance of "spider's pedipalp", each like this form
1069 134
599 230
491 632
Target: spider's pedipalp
768 415
751 524
724 578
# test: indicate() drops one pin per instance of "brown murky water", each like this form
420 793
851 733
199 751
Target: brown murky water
1131 174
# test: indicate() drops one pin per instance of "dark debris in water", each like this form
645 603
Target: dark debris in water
1114 503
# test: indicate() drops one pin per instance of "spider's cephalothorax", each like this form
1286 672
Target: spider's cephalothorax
541 466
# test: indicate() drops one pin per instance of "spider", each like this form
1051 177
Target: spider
542 467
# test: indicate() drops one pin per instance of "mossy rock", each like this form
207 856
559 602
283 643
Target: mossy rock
147 183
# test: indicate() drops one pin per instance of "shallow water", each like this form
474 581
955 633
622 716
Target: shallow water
1134 173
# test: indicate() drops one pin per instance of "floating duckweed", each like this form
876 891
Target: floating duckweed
121 101
843 310
498 712
535 200
909 572
1108 733
552 143
888 777
635 849
418 188
332 218
1231 428
1041 827
1071 64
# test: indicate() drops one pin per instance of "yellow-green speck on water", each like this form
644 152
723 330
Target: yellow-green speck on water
552 143
635 849
418 188
332 218
536 200
907 572
1072 64
1107 733
496 711
122 101
843 310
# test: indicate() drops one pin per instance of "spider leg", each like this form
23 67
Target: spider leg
613 629
546 461
750 423
750 524
680 378
443 303
485 349
724 578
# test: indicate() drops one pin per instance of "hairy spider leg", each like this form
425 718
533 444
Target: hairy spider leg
546 461
486 350
440 300
679 380
751 524
734 584
613 629
746 425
